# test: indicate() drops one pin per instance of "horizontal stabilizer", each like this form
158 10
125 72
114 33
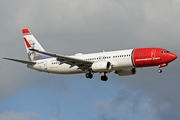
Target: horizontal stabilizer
21 61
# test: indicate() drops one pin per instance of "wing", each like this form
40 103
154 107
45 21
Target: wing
82 64
20 61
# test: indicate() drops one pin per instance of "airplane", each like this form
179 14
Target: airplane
122 62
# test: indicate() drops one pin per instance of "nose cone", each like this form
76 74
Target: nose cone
172 56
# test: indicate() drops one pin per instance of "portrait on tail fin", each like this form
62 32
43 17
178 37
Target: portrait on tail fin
33 55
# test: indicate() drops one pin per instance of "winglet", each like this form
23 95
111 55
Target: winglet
26 31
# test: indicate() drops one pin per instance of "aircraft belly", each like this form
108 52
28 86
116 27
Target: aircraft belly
65 69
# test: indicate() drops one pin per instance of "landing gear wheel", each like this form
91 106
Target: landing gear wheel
104 78
159 71
89 75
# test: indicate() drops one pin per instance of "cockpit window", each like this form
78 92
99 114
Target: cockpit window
165 51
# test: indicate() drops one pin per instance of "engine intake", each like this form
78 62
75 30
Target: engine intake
126 72
101 66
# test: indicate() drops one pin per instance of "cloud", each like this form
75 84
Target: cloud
103 22
124 104
21 116
128 104
105 106
68 27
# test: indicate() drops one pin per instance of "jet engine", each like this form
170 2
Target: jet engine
101 66
126 72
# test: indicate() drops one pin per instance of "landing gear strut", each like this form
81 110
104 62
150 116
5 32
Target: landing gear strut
104 77
89 75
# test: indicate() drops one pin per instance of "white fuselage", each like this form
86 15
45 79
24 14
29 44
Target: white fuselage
122 62
121 59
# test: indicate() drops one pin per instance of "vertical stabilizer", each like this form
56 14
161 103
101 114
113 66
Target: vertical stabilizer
32 43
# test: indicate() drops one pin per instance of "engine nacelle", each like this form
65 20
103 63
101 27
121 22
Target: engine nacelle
101 66
125 72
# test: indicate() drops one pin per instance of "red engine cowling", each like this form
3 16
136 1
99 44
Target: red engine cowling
126 72
101 66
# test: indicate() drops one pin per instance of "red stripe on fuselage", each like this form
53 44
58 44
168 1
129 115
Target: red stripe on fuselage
145 57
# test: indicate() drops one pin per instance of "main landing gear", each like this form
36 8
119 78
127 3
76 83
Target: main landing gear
89 75
103 78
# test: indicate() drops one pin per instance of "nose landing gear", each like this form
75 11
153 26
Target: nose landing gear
159 70
162 65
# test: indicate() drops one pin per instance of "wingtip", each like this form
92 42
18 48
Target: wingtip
4 58
26 31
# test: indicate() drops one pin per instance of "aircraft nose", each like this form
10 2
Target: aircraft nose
172 56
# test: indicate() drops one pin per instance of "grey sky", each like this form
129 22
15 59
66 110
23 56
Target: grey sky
68 27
